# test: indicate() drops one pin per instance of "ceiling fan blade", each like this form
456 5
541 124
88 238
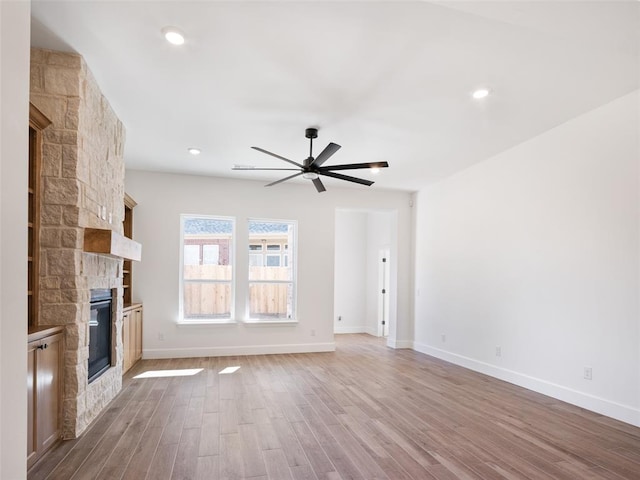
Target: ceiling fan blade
277 156
319 185
254 168
361 181
353 166
284 179
325 154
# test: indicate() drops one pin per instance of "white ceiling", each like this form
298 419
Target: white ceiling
386 80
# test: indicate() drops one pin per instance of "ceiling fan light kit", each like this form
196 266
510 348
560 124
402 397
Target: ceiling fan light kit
311 168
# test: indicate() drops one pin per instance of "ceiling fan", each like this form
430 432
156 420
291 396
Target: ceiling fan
312 167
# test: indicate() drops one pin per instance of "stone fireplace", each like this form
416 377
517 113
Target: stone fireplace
82 186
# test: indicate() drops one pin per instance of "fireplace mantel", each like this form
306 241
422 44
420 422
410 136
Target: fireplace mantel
109 242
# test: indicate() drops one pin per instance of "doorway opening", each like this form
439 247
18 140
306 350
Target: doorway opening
363 238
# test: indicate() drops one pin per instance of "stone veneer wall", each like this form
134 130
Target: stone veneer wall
82 170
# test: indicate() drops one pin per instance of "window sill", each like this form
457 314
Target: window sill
206 322
256 322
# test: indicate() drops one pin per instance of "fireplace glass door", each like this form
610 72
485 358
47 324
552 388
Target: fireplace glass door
100 324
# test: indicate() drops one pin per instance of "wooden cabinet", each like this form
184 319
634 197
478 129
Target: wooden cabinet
132 312
44 382
131 335
127 267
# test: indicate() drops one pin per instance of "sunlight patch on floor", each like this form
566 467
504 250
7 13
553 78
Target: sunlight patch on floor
185 372
228 370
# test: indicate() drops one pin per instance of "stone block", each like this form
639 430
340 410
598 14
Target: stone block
53 106
71 216
72 344
49 296
71 238
51 160
52 135
71 119
70 409
63 262
58 314
69 137
72 295
50 215
50 237
61 191
61 81
70 60
69 160
78 282
39 56
49 283
36 77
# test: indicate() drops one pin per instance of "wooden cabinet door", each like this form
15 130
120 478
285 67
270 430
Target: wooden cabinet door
32 400
48 366
44 372
126 341
138 334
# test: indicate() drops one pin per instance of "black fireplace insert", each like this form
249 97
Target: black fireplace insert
100 326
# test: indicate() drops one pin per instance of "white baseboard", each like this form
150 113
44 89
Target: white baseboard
624 413
353 329
393 343
156 353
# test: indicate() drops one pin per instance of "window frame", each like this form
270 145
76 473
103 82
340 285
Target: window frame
291 251
232 282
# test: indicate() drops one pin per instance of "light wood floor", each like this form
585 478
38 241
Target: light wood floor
363 412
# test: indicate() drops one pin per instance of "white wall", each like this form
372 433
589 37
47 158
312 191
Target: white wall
350 292
537 251
14 121
163 197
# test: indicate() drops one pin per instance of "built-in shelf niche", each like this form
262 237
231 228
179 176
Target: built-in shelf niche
37 122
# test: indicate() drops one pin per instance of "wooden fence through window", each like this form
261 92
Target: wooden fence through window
214 299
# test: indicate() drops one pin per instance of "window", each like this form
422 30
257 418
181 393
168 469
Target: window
207 267
271 269
210 254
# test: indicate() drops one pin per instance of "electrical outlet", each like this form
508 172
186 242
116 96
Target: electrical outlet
443 337
161 337
339 318
588 373
498 351
313 333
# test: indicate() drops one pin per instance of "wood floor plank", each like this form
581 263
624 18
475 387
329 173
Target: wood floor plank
289 442
162 463
230 458
143 455
251 451
316 455
186 461
208 468
305 472
210 435
364 411
277 466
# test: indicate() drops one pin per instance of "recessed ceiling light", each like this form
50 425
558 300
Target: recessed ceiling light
374 170
194 151
173 35
480 93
